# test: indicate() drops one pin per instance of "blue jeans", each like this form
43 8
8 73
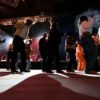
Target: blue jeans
28 64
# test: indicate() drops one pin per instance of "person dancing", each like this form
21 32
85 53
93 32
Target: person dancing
87 42
22 30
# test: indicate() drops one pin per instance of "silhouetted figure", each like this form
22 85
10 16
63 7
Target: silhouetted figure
9 56
71 49
96 65
54 39
43 51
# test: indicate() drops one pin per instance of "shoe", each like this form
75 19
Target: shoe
27 71
14 72
44 71
8 68
60 71
22 73
70 70
49 71
92 72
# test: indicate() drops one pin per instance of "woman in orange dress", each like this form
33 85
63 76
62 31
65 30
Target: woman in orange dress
80 57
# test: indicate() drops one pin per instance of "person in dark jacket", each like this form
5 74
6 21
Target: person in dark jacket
43 50
54 39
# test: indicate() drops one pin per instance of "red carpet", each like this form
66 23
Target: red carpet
4 73
41 87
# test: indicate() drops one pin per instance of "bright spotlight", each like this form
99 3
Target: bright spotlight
8 41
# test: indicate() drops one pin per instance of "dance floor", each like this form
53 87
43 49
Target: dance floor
36 85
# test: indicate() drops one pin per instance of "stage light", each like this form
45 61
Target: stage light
7 42
39 37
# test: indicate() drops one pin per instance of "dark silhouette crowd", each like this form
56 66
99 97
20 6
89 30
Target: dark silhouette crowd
82 54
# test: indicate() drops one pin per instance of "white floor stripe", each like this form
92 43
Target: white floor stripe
83 73
9 81
77 86
61 75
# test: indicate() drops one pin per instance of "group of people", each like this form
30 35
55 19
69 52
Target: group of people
87 49
49 49
84 54
88 43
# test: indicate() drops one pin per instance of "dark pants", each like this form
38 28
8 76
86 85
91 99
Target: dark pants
90 51
44 56
19 47
54 57
9 59
72 64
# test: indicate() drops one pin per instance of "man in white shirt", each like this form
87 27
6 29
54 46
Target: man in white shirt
87 42
22 31
85 24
